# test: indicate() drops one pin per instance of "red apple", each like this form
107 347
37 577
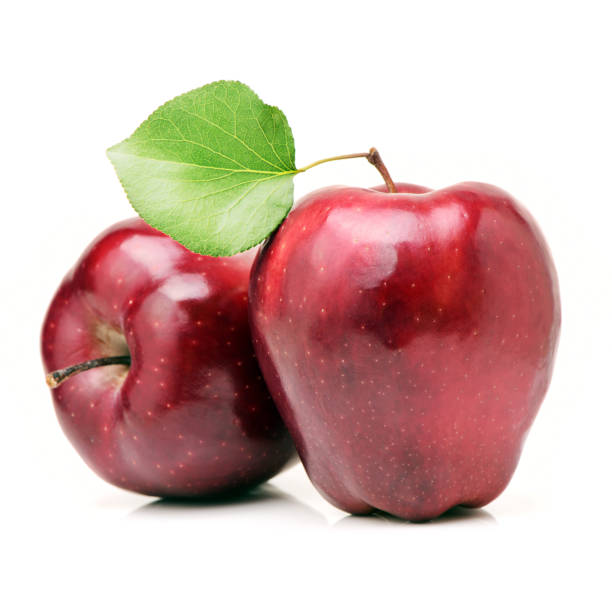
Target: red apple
190 415
408 340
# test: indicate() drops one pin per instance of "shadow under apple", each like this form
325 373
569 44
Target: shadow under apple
266 499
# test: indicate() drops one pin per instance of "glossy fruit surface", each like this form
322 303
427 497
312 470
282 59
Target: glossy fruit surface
408 340
191 415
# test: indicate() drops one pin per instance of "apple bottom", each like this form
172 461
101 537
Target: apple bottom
404 497
413 461
171 456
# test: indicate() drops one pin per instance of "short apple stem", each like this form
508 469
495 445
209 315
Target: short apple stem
373 156
55 379
376 160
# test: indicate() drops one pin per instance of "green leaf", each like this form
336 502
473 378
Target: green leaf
212 168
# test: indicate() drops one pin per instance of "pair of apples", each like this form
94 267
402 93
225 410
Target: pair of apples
406 338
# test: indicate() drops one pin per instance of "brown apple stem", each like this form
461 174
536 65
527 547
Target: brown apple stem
373 156
55 379
375 159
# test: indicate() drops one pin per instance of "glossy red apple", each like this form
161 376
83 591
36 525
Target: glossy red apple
190 415
408 340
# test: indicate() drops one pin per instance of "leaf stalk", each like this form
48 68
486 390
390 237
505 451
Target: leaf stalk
373 156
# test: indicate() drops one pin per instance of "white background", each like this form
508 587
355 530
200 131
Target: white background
513 93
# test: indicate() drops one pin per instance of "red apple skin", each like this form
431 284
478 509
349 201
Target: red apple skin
408 339
191 416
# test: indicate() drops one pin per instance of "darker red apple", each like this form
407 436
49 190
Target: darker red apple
408 340
190 415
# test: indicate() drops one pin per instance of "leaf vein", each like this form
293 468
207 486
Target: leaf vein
238 139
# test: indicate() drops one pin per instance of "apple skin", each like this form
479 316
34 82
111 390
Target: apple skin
408 340
191 416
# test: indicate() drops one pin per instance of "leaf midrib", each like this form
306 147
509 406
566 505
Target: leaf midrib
254 183
180 163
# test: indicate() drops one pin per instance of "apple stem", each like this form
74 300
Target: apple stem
376 160
373 156
55 379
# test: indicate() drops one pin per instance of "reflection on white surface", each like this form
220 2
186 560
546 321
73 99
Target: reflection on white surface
271 501
264 501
